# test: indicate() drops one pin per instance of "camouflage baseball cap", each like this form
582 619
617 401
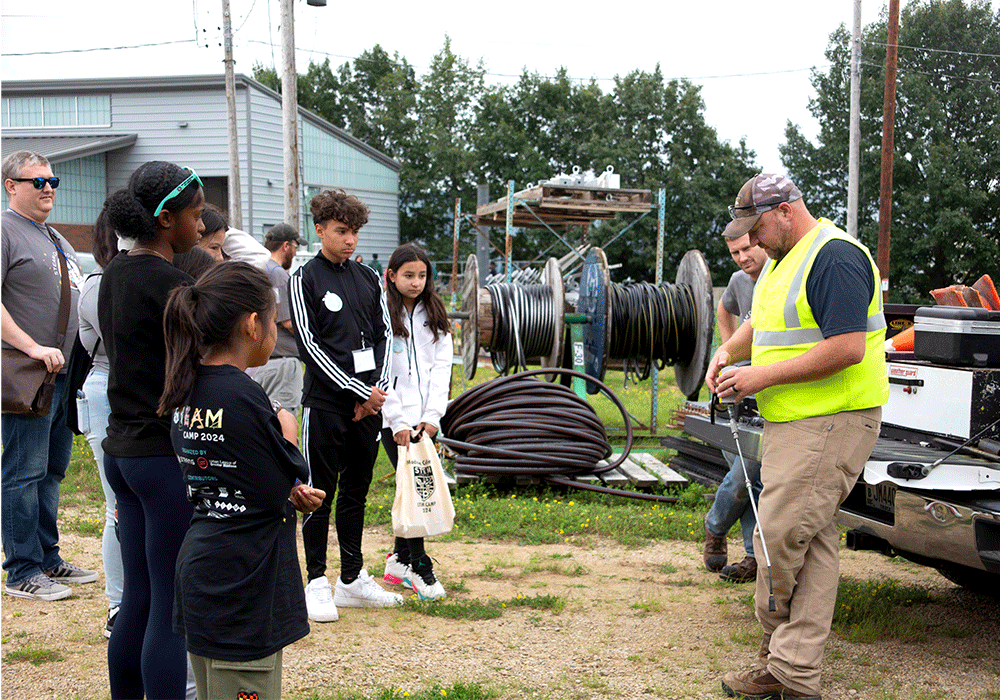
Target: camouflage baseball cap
761 193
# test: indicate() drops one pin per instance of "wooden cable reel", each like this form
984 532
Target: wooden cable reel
477 329
595 303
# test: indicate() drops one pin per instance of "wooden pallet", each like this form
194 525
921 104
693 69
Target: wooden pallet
564 205
640 469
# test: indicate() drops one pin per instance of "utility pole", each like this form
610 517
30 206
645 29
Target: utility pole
854 160
888 136
235 202
289 116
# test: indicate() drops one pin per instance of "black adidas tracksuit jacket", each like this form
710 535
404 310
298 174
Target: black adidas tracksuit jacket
338 308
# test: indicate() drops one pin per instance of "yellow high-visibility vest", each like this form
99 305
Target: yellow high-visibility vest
784 327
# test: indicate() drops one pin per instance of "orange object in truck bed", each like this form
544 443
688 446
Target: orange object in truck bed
972 297
948 296
984 285
901 342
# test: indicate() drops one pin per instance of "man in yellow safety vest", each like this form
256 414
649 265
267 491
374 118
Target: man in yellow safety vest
815 341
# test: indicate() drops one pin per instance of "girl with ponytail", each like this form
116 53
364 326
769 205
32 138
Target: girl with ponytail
161 209
239 598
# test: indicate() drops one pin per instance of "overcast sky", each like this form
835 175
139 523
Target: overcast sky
753 60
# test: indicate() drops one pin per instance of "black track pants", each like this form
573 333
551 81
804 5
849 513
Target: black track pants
341 455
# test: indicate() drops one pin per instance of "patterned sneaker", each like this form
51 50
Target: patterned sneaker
424 583
363 592
319 602
39 587
395 570
110 624
71 573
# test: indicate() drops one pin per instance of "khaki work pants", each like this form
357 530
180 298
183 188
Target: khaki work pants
809 467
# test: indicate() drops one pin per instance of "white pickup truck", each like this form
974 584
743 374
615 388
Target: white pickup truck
908 502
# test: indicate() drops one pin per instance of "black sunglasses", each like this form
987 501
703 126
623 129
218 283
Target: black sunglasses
39 182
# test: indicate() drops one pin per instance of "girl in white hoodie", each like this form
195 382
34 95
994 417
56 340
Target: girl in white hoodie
419 381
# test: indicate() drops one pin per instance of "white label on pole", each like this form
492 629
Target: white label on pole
578 354
885 285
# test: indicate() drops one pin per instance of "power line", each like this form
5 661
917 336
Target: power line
247 18
932 75
924 48
104 48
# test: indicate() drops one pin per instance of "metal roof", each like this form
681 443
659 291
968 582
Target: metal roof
67 147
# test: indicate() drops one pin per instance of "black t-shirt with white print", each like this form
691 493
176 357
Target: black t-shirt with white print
238 589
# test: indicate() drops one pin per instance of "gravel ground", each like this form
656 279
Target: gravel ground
641 623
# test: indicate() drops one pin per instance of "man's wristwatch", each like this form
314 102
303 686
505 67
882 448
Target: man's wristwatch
275 405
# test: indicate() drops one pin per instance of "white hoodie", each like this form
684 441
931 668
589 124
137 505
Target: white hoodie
420 375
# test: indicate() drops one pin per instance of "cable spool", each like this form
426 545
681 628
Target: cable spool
645 324
513 322
651 325
642 324
470 308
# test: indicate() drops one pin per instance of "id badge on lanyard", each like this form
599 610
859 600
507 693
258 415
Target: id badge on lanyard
364 360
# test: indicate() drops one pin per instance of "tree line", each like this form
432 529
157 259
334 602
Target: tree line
451 130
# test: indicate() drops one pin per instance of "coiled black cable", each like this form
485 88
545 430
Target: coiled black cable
651 324
520 426
523 324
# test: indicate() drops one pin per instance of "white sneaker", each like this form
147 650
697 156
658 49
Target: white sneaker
319 602
395 570
426 586
363 592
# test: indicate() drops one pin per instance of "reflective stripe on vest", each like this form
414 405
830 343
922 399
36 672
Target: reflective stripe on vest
782 333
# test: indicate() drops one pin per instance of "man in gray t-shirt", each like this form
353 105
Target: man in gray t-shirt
281 377
36 449
732 501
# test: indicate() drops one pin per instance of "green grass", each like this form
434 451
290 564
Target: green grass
488 609
36 656
869 611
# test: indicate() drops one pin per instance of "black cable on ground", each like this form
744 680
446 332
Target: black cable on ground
520 426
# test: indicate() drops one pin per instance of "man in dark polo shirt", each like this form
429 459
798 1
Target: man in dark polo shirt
281 377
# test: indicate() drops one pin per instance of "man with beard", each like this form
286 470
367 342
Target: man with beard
815 341
281 377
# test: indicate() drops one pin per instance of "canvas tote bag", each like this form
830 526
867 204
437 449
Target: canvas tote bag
422 506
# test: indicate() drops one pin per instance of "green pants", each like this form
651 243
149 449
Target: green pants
237 680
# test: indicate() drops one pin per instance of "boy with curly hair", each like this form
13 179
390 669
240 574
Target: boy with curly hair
343 333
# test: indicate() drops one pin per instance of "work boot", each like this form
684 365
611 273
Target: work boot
741 572
764 653
715 551
759 684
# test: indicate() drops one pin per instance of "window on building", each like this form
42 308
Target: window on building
82 189
74 110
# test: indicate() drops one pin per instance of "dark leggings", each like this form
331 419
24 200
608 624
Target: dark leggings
408 551
341 454
145 656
